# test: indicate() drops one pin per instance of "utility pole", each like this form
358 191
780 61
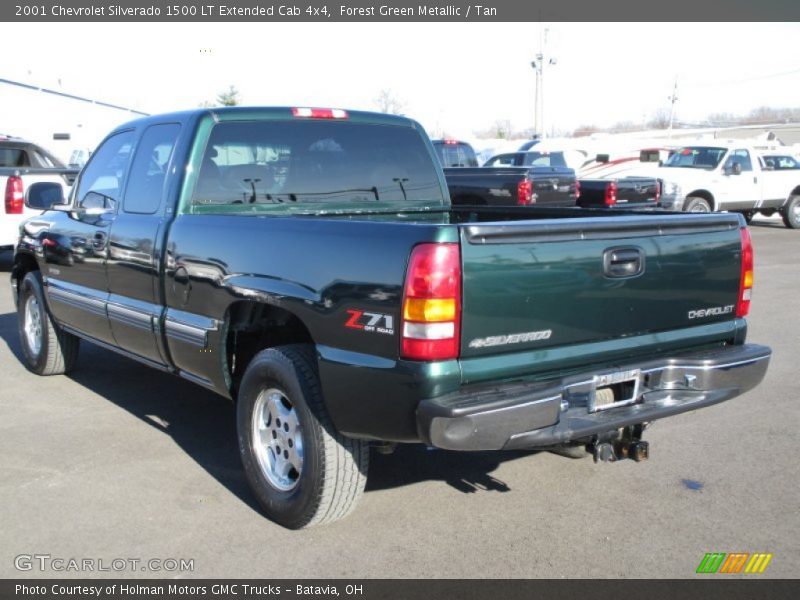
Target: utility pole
539 68
672 99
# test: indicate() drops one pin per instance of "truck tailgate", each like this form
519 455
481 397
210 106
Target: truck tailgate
553 186
541 284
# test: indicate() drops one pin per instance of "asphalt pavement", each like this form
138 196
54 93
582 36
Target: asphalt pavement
117 461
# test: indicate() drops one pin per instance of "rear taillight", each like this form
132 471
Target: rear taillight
319 113
15 200
577 189
611 193
432 303
525 192
746 279
451 142
658 191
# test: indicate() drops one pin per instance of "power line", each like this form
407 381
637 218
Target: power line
71 96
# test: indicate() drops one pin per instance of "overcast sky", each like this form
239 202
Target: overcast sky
453 77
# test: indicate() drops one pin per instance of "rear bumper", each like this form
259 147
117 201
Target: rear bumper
541 414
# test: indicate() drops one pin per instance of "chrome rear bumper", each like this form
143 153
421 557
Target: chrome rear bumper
541 414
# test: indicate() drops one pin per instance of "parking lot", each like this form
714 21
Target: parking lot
120 461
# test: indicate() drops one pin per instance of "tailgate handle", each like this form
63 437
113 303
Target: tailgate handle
620 263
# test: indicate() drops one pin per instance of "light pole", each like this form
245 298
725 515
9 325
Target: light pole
539 68
672 99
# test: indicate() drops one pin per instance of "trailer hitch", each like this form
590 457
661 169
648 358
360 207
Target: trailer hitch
617 445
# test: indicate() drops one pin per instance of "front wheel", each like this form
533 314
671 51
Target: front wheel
694 204
791 213
302 471
46 348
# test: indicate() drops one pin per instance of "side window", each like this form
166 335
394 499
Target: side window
44 160
149 169
104 172
742 157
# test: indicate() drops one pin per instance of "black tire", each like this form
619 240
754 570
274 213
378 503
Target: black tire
695 204
791 213
333 469
57 350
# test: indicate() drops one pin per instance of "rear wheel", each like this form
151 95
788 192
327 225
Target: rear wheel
695 204
302 471
46 348
791 213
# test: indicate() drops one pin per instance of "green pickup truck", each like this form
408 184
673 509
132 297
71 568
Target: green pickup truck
307 264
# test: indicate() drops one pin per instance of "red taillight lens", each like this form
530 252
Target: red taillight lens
577 189
746 280
319 113
611 193
432 303
15 199
525 192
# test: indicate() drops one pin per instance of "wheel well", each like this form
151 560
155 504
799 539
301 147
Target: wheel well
795 192
705 195
23 264
254 326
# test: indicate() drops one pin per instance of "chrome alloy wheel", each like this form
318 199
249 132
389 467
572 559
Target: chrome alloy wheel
33 325
278 439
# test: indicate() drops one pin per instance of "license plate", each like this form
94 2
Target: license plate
625 385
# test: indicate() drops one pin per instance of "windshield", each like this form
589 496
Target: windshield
697 157
504 160
295 163
545 159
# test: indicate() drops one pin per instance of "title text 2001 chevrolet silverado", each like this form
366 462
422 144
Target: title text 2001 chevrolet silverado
307 263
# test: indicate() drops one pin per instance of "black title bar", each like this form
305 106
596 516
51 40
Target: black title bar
400 11
400 589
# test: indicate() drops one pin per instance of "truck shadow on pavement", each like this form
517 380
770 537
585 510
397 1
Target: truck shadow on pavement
467 472
203 425
768 225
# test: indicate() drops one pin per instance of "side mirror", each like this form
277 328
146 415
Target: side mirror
44 195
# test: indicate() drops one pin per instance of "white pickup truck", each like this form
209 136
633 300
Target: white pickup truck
23 163
730 177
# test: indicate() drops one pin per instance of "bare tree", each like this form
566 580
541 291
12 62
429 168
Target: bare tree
388 102
659 119
585 130
502 129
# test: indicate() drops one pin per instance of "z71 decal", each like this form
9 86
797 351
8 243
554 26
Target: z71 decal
370 322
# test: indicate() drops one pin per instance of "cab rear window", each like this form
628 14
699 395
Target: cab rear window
457 154
308 163
14 157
